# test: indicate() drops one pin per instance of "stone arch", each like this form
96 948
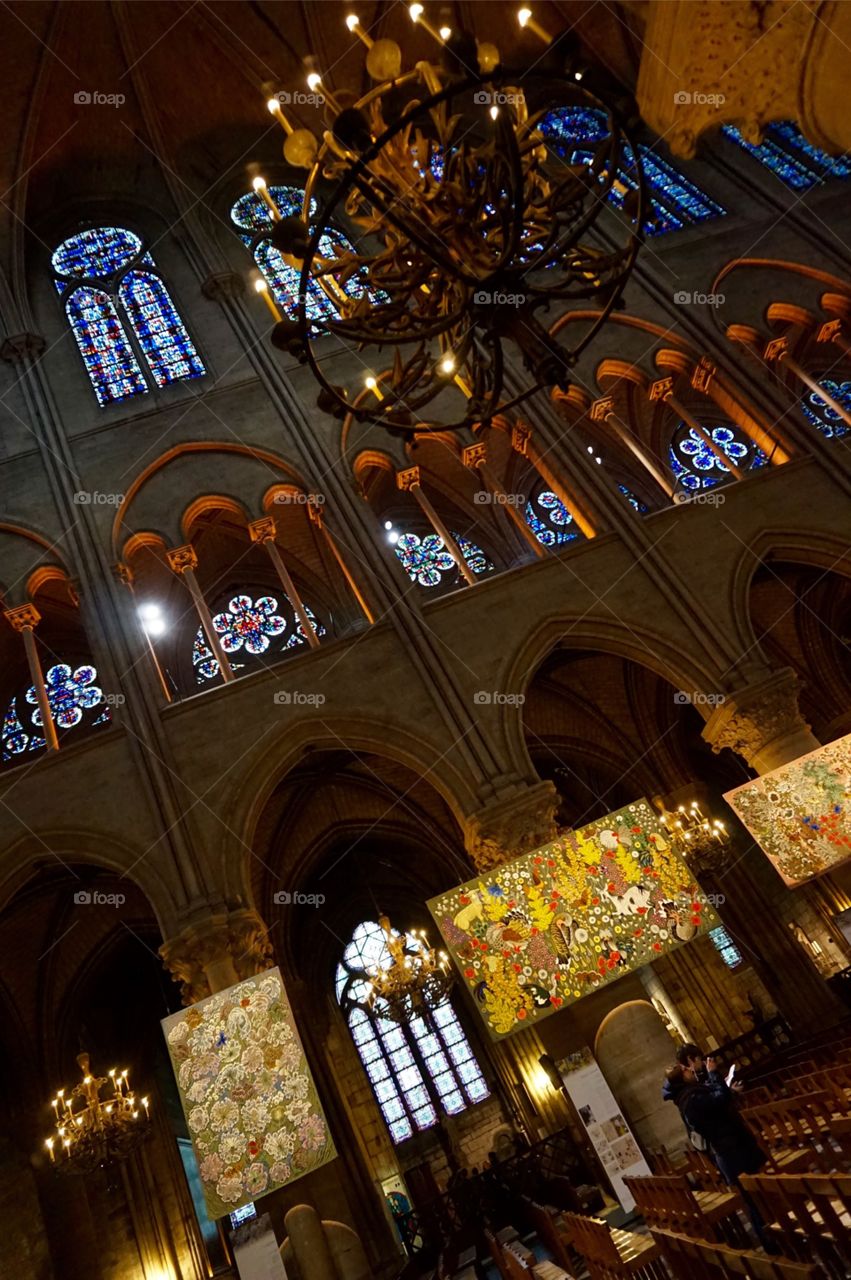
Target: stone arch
633 1049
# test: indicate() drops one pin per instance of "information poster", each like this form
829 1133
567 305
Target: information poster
609 1132
256 1252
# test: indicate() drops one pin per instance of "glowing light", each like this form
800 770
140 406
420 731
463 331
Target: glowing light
416 12
494 112
352 21
273 105
447 364
388 524
259 184
314 80
523 16
445 33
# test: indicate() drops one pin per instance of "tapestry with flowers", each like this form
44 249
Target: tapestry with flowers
800 814
250 1102
547 928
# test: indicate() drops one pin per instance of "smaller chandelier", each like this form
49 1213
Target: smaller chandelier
416 980
94 1131
701 840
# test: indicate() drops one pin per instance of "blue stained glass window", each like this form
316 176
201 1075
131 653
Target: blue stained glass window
696 467
247 628
730 953
426 560
408 1100
166 345
111 260
820 413
633 501
550 520
787 153
71 694
675 201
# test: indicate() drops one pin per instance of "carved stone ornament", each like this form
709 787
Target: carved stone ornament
24 617
182 558
223 287
239 936
22 346
509 827
756 720
408 478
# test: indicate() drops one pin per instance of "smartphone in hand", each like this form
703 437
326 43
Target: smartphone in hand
730 1074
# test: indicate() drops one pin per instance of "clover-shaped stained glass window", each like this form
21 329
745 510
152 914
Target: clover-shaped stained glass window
427 562
697 467
823 415
250 629
74 698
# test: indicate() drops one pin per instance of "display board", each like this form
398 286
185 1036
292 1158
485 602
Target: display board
599 1112
256 1251
250 1102
547 928
800 814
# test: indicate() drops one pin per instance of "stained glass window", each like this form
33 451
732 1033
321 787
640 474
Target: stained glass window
639 506
675 201
550 520
820 413
696 467
787 153
119 293
74 699
248 629
730 953
253 217
426 560
416 1070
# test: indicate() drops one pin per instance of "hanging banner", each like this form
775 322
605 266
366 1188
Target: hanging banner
800 814
609 1132
547 928
250 1102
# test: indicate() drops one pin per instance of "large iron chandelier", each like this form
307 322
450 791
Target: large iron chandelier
415 981
94 1131
703 841
466 230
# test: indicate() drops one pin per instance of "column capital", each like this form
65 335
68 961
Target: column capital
22 346
511 826
23 617
600 409
234 943
123 573
408 478
703 373
762 723
521 438
263 530
776 348
829 330
223 286
314 513
474 455
182 558
661 389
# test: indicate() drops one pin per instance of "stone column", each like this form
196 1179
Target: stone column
213 953
512 825
475 457
264 531
409 481
25 618
777 351
762 723
314 512
183 561
523 440
604 411
664 390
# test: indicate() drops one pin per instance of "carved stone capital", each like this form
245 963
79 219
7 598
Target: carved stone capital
225 286
776 349
182 558
407 479
22 346
601 409
263 530
24 617
661 389
762 723
233 944
474 455
314 513
123 573
521 438
704 372
829 330
509 827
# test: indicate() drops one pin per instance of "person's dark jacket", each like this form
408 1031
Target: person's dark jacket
713 1079
711 1112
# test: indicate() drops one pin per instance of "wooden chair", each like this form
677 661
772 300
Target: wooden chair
800 1132
808 1214
496 1243
700 1260
669 1203
549 1271
613 1254
518 1261
551 1232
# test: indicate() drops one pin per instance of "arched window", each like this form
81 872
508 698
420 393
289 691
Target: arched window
675 201
695 465
417 1069
787 153
726 947
550 520
106 278
74 698
253 220
427 562
819 412
250 629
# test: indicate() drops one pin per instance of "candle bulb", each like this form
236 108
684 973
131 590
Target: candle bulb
416 12
263 289
259 185
315 85
275 108
353 23
49 1145
373 386
524 17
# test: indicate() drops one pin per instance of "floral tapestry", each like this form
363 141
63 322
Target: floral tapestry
247 1093
551 926
800 814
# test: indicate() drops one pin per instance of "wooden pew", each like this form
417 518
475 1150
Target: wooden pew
614 1254
808 1214
701 1260
800 1132
552 1234
670 1203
